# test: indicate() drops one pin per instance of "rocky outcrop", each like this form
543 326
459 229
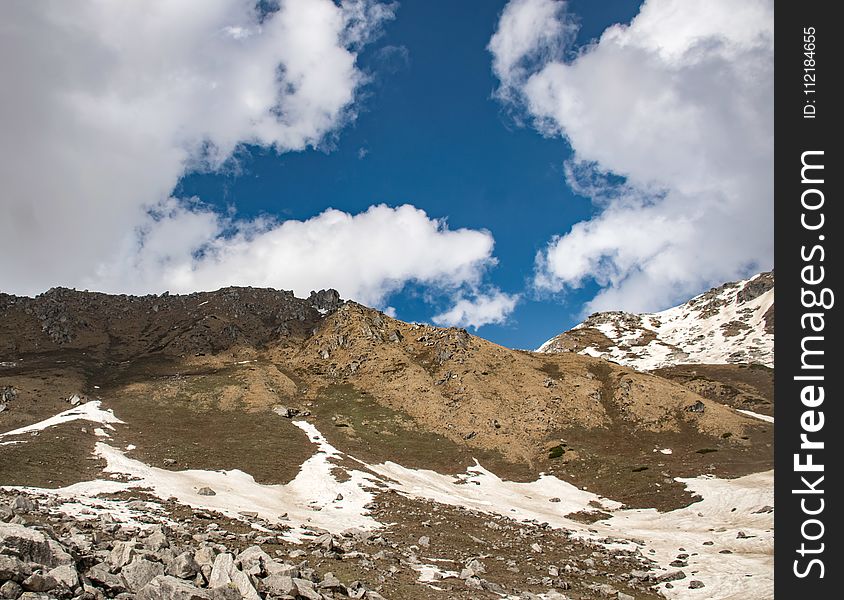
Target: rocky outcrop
132 326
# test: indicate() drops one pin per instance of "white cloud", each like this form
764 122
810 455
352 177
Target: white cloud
529 32
478 310
365 256
107 104
680 104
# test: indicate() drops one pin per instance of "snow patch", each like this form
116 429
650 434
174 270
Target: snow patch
90 411
750 413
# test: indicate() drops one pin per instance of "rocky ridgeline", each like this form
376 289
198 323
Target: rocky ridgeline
94 559
175 324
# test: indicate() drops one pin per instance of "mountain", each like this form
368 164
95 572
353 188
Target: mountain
730 324
438 464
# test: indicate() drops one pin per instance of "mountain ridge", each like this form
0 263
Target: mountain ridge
730 324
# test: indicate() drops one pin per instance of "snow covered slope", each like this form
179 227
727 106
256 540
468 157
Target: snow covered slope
733 323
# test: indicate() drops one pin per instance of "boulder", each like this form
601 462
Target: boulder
280 585
183 566
140 572
306 589
39 583
156 540
102 577
165 587
225 572
11 568
122 554
254 561
31 546
671 576
23 504
285 411
330 582
66 576
10 590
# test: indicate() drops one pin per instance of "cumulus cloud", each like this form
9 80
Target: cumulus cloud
478 309
107 105
670 119
365 256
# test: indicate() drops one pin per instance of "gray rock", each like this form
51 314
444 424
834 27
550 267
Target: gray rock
327 542
474 583
206 491
140 572
424 541
671 576
623 596
695 584
165 587
225 572
330 582
156 540
10 590
34 596
79 542
102 577
697 407
23 504
183 566
285 411
280 585
13 569
205 555
253 561
66 576
223 565
39 583
306 589
282 569
325 300
122 554
31 546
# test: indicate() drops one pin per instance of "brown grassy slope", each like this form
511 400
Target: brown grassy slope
749 387
467 388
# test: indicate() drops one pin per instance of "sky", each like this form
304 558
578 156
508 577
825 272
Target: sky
509 167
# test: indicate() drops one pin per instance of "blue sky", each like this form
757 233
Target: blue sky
507 166
434 136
